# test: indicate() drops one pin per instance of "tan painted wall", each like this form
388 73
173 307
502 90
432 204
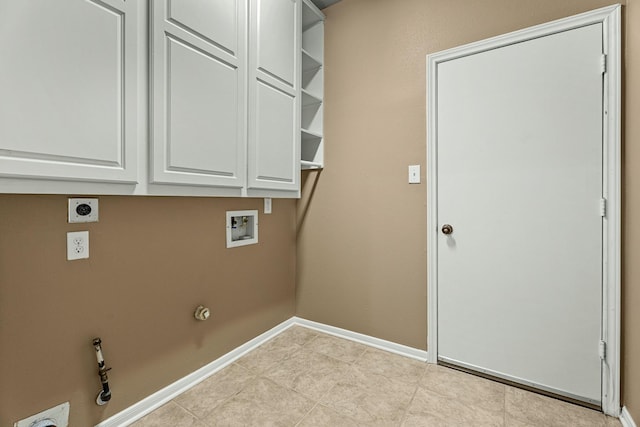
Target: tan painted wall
153 260
362 239
631 266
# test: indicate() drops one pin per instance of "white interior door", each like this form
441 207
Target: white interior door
519 179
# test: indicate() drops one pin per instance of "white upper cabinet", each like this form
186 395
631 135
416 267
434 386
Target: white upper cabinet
198 92
274 95
68 85
209 104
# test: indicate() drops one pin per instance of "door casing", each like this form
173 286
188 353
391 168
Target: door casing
610 18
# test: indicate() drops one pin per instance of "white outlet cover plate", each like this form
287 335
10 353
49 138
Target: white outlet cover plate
77 245
74 216
60 414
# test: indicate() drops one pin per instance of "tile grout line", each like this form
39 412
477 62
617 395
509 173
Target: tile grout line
415 392
289 356
185 409
223 401
352 365
319 400
321 333
504 414
307 414
417 384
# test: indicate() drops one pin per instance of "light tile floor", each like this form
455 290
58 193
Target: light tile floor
306 378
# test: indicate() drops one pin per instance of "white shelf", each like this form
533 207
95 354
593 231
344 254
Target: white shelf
309 62
312 148
309 99
307 135
310 165
312 49
311 15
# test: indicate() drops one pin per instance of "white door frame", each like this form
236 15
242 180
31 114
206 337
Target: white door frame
610 17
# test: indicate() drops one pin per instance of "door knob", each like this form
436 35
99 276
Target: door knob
447 229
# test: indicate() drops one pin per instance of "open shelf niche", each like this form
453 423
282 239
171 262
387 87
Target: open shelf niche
312 139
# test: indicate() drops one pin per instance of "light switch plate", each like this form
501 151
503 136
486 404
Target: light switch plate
414 174
267 205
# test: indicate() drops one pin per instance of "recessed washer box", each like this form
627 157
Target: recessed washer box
242 228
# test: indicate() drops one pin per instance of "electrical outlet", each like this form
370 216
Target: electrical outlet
58 416
83 210
77 245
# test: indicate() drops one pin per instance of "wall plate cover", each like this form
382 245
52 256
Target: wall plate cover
414 174
83 210
77 245
59 414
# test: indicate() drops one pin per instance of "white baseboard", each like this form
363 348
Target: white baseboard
392 347
159 398
625 418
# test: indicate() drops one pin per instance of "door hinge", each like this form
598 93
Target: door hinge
602 350
603 207
603 63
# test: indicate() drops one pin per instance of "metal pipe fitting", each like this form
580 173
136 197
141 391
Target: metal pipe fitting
104 395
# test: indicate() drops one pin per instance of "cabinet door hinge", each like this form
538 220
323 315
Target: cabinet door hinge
603 63
602 350
603 207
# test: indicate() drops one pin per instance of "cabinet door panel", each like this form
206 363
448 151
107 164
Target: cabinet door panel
277 38
68 90
275 135
201 125
215 21
198 76
274 95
